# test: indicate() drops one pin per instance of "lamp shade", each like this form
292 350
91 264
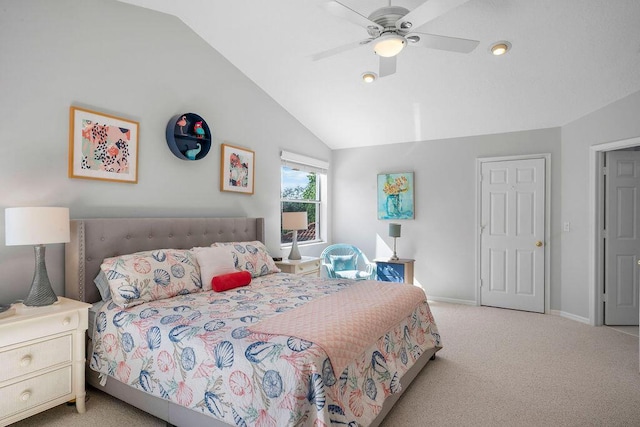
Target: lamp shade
394 230
294 221
36 225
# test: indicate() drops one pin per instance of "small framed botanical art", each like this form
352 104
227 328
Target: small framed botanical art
237 169
102 146
395 196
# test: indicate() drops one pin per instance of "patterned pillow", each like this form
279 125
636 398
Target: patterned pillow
152 275
250 256
343 262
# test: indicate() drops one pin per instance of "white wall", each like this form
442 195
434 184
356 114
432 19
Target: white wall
617 121
138 64
148 66
442 237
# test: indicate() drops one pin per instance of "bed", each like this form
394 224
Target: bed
199 377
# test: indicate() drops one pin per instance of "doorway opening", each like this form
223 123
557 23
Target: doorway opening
597 225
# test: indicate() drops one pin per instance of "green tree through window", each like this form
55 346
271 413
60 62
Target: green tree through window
300 193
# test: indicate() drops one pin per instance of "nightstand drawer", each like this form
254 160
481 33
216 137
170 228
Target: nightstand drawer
32 392
308 267
39 323
61 322
33 357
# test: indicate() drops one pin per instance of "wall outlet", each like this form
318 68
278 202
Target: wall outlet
566 226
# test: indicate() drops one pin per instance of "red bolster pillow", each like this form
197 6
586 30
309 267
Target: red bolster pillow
224 282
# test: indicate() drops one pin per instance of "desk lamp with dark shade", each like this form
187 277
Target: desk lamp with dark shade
37 226
394 231
294 221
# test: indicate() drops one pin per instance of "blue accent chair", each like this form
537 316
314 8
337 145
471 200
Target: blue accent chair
343 261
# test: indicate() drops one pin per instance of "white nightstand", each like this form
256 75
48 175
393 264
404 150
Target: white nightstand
307 266
42 358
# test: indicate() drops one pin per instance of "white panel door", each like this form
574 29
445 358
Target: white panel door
512 234
622 242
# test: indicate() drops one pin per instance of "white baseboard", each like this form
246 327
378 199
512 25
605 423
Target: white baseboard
451 300
470 302
570 316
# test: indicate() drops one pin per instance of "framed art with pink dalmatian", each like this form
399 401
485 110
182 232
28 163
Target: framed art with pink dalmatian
102 146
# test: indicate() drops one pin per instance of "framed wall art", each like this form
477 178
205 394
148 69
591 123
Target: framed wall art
395 196
102 146
237 169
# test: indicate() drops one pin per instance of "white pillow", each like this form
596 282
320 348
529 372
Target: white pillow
213 262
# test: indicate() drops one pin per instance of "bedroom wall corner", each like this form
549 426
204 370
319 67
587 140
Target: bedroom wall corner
145 66
614 122
441 238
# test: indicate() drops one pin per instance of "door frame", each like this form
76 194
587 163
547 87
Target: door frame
547 218
596 224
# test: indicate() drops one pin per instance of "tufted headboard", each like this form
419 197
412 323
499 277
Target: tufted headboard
93 240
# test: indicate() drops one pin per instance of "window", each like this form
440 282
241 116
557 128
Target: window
303 189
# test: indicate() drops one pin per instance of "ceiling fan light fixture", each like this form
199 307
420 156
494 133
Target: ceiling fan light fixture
500 48
389 45
369 77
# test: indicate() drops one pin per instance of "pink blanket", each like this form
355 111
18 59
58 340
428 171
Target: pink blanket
346 323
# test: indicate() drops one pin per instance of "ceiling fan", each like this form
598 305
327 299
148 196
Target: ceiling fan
389 30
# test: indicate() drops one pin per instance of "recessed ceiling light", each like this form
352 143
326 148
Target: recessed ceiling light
369 77
500 48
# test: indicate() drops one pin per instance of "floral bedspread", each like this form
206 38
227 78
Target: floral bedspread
196 350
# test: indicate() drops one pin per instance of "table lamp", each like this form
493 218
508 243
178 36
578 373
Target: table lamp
37 226
394 231
294 221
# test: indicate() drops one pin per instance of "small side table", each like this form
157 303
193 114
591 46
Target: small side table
399 270
42 357
307 266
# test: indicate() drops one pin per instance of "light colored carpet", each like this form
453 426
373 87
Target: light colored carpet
631 330
512 368
497 368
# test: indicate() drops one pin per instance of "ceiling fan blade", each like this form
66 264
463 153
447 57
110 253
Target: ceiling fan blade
339 49
426 12
433 41
387 66
341 11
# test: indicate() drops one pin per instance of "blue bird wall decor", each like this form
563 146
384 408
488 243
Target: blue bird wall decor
198 129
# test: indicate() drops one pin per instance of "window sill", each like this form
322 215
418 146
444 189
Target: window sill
304 244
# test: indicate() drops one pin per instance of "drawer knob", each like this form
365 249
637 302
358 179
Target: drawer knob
25 395
66 321
25 361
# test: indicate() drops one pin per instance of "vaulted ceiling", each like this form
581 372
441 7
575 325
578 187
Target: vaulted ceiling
568 58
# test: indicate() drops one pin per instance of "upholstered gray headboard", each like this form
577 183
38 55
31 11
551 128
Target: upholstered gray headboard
93 240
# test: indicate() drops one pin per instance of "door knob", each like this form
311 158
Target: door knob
538 243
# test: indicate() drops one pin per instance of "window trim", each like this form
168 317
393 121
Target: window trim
321 169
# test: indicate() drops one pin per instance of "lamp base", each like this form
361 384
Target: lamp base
41 293
295 253
394 257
